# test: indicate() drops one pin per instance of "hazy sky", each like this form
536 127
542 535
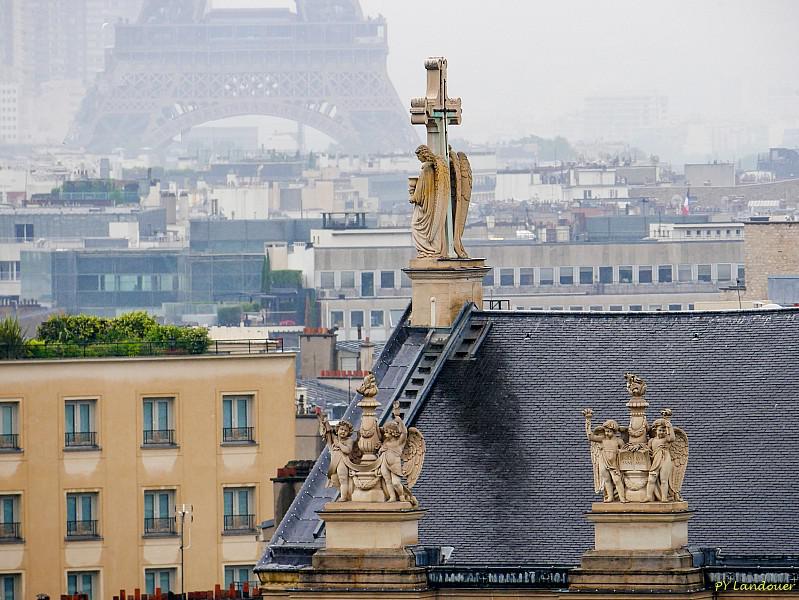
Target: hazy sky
529 61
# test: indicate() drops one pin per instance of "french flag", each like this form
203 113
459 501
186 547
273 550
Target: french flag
685 209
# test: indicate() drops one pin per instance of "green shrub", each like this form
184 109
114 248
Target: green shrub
12 338
131 326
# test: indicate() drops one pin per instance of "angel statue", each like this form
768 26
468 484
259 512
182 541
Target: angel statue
605 446
638 462
430 194
343 447
402 455
437 188
669 450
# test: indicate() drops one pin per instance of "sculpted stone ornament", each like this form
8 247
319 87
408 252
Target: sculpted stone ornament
639 463
371 469
438 188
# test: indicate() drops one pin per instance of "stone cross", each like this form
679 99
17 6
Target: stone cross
437 112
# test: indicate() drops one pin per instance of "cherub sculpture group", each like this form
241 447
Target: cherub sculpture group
640 462
370 467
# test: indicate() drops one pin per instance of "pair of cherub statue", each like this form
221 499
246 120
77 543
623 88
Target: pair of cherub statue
641 462
375 457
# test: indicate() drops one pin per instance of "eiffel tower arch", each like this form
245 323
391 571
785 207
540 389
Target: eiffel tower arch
180 66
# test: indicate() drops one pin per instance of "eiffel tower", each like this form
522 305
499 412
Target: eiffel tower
181 65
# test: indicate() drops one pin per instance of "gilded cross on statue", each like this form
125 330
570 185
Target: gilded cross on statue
437 112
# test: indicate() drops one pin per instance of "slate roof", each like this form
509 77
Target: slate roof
321 394
507 476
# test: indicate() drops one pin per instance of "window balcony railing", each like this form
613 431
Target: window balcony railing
239 522
80 439
159 436
10 531
160 525
9 441
82 528
237 434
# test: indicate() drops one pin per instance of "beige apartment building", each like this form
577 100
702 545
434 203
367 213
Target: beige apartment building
96 455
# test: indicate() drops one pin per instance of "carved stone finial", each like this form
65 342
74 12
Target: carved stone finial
639 462
371 468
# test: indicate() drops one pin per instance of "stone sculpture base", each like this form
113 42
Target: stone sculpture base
366 548
638 547
441 286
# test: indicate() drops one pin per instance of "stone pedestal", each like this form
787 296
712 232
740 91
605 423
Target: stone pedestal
366 548
441 286
638 547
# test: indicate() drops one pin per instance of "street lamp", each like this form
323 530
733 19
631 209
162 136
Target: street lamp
182 511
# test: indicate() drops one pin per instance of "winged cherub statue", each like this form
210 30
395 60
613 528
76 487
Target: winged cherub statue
401 455
639 462
669 450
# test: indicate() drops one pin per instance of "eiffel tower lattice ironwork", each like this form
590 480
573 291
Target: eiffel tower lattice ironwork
181 65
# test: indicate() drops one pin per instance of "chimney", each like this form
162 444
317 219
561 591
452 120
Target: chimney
367 355
317 351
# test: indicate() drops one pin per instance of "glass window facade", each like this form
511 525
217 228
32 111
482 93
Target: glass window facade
625 274
665 273
526 276
605 274
506 277
586 275
566 275
387 279
645 274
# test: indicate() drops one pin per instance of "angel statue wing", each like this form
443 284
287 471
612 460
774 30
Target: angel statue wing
461 173
679 457
413 456
596 459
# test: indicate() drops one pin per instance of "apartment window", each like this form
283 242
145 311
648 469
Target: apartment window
547 276
556 308
337 318
688 232
625 274
595 308
387 280
159 515
237 575
10 587
586 275
655 307
9 518
586 194
723 272
82 515
665 273
636 308
327 280
367 284
83 582
348 280
79 430
239 510
5 270
566 275
236 419
376 318
405 281
605 274
526 276
675 307
356 318
23 232
703 273
488 280
616 307
575 308
158 421
163 579
645 274
506 277
684 273
741 275
9 427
